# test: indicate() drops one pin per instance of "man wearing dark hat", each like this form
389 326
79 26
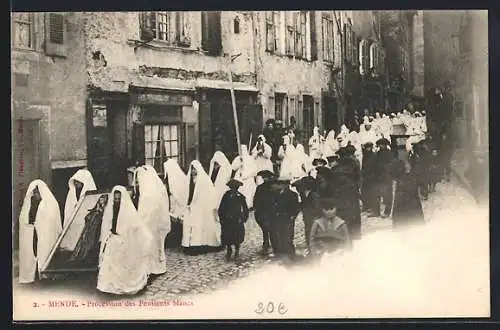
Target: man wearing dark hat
285 209
233 213
262 204
384 161
319 162
346 178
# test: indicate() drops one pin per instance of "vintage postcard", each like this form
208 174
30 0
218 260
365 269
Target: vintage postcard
250 165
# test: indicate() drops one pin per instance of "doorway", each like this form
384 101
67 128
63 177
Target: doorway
117 130
308 114
25 163
330 114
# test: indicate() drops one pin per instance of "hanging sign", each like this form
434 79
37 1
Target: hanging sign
99 118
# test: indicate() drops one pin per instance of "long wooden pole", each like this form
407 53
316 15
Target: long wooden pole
233 101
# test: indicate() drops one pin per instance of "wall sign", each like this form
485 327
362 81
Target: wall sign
99 118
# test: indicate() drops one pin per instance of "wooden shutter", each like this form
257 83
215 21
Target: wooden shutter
55 35
190 144
205 129
314 42
146 25
211 40
138 144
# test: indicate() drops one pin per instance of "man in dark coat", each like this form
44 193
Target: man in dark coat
369 179
233 213
285 208
346 188
307 188
263 203
383 164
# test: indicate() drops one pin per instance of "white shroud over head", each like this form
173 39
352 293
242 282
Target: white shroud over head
85 177
48 227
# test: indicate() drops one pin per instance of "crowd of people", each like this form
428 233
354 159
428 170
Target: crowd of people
129 231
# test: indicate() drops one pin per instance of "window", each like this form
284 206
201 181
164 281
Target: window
364 57
328 39
374 58
23 30
55 35
270 32
211 40
236 26
279 104
300 35
290 33
161 143
172 27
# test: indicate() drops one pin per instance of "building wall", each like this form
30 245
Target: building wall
418 55
441 30
58 84
290 76
114 34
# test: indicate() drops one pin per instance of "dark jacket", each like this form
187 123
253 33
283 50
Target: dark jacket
233 213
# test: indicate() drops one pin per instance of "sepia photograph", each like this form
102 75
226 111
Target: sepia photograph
186 165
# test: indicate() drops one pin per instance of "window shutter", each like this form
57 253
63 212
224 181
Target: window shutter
314 42
189 143
146 20
354 48
138 147
55 35
211 33
205 122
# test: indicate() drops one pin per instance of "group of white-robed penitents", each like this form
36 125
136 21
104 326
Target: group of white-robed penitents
132 239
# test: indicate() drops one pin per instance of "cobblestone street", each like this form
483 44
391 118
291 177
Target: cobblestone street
192 275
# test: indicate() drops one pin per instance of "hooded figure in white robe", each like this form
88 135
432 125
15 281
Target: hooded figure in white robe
331 144
262 153
39 229
200 225
220 172
304 163
85 182
315 144
368 135
344 133
246 171
175 179
125 247
286 153
153 208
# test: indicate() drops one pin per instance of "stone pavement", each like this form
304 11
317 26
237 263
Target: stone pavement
191 275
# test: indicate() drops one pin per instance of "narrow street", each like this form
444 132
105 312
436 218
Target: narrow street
190 276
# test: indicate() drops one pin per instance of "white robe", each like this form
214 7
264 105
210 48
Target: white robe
125 258
303 162
331 144
246 171
263 161
177 186
288 162
223 176
200 225
48 227
315 146
153 209
85 177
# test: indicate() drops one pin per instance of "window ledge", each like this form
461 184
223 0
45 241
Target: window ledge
165 46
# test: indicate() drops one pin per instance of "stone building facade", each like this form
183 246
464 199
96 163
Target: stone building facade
117 89
456 57
48 99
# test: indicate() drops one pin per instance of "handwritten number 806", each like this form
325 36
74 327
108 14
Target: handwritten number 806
269 308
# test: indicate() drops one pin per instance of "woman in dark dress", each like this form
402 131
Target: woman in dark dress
87 248
347 189
407 208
